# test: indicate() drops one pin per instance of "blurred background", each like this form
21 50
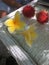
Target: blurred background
7 6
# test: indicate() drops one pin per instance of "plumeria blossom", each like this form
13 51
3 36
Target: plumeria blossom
30 35
15 24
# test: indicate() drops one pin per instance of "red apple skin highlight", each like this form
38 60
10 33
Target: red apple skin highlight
42 16
28 11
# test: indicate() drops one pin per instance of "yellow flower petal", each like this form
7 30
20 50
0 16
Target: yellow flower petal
15 23
21 25
17 17
9 22
17 20
28 38
11 29
30 35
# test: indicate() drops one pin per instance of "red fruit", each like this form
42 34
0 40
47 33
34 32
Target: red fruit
28 11
42 16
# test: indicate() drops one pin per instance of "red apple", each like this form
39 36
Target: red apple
42 16
28 11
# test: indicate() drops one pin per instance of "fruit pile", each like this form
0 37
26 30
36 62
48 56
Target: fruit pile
41 16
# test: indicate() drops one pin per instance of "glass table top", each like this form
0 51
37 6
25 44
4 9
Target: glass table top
39 51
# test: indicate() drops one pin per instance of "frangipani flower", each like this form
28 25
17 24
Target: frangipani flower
30 35
15 24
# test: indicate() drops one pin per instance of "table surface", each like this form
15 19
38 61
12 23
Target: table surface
22 56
